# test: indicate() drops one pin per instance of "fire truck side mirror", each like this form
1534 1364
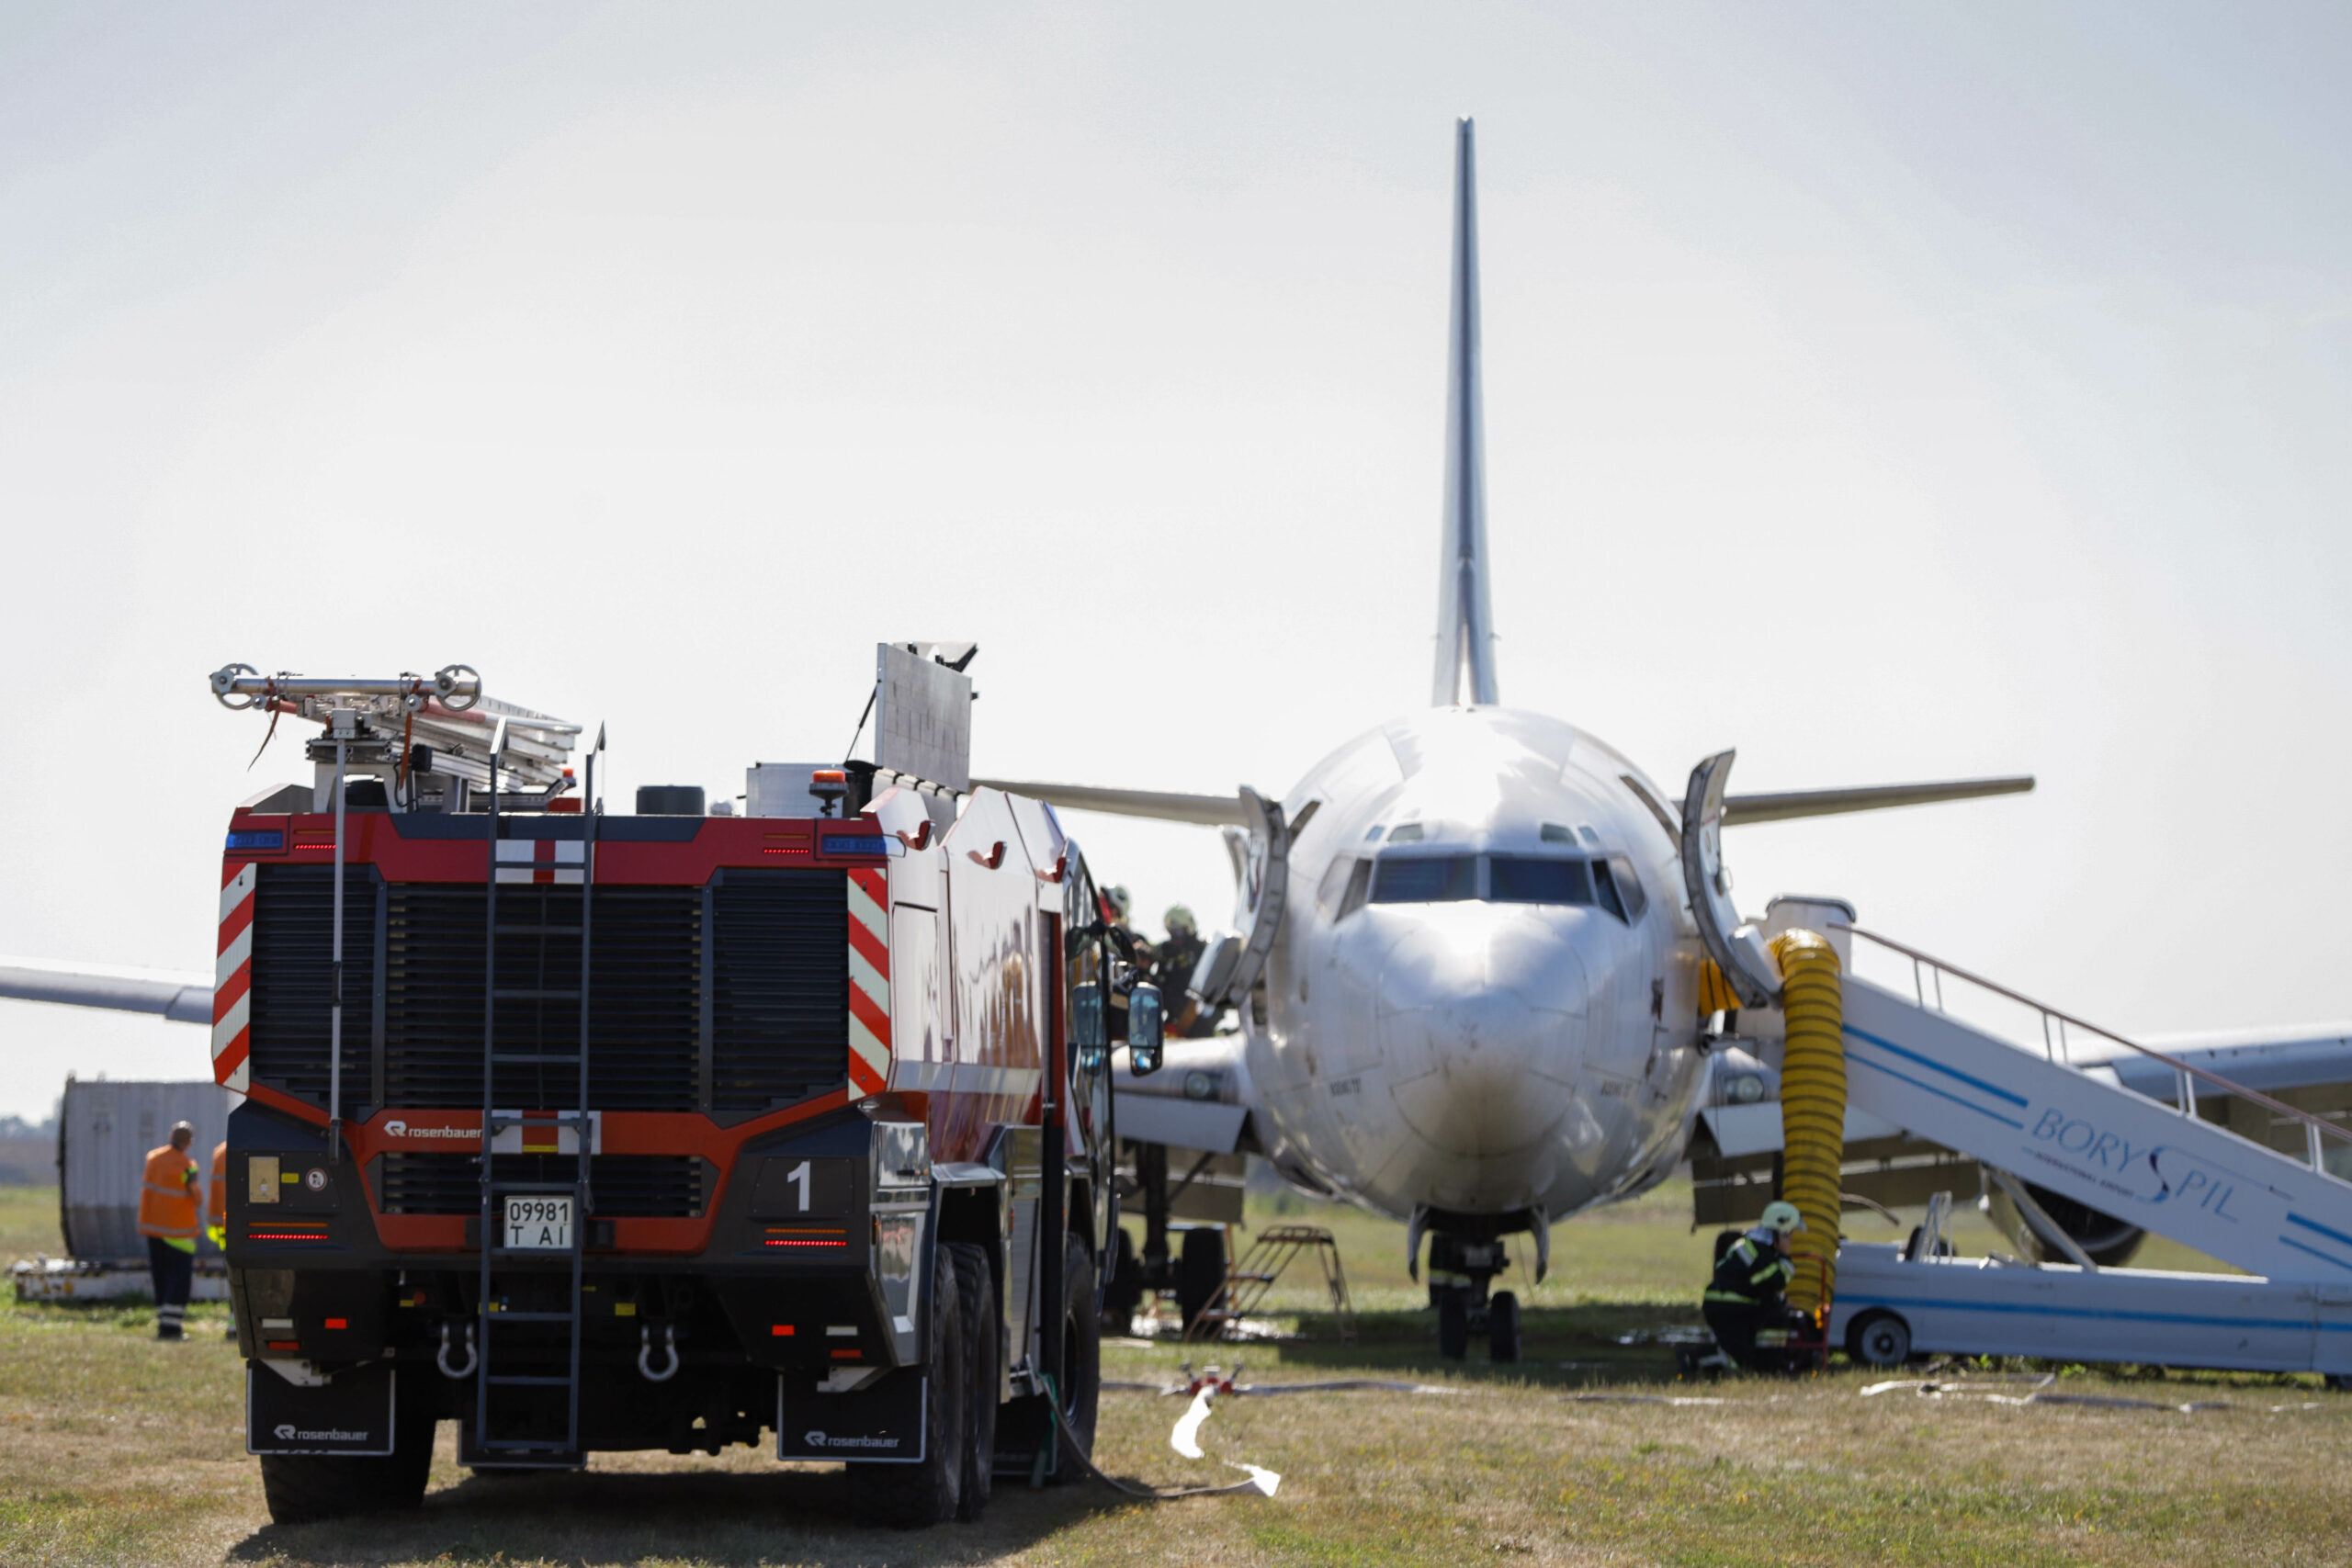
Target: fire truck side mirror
1144 1031
1088 1031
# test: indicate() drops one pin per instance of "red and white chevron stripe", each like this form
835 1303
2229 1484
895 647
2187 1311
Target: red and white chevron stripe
869 980
232 980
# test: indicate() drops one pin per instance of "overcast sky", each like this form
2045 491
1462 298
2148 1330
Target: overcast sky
1891 392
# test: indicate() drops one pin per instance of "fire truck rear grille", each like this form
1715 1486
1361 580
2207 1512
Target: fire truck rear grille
620 1186
644 1011
293 980
733 997
779 1025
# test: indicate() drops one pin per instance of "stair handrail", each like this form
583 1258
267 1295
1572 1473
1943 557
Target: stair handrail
2314 1127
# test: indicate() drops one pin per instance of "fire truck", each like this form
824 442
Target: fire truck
594 1131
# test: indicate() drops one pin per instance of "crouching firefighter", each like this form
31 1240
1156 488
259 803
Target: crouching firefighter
1745 1305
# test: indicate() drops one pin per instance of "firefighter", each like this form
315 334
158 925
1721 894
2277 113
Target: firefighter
167 1204
1746 1302
215 1209
1177 956
216 1205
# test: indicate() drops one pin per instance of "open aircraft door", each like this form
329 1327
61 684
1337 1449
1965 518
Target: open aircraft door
1738 950
1261 872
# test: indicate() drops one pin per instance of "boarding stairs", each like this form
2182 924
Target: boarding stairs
527 1323
2042 1109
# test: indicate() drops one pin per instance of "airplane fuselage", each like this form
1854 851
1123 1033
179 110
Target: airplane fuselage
1483 998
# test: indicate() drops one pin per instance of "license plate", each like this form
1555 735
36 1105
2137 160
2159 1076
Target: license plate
539 1223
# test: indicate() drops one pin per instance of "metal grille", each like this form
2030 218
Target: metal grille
779 1003
620 1186
293 980
644 1004
754 995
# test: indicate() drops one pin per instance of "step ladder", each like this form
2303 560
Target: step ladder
513 1423
1251 1280
2042 1110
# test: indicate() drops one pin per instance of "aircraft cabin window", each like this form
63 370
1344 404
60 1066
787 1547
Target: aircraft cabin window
1405 833
1629 887
1521 879
1426 879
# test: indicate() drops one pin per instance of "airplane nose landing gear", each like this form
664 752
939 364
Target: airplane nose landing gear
1461 1273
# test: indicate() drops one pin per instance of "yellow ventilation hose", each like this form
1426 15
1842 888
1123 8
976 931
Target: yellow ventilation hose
1812 1109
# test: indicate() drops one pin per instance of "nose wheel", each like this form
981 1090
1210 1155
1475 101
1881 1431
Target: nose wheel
1460 1276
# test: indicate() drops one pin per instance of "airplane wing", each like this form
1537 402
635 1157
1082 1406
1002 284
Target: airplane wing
179 999
1216 810
1740 809
1211 810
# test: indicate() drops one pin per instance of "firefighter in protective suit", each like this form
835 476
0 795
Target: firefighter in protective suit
1745 1305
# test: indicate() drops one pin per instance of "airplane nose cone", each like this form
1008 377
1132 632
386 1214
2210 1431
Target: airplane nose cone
1481 1016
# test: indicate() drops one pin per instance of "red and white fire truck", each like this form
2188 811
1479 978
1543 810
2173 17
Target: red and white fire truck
597 1132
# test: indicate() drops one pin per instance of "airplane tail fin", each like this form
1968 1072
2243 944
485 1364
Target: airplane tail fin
1466 622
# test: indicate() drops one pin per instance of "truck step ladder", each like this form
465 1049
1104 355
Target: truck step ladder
520 1429
2047 1118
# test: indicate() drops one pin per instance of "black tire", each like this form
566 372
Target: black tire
2340 1383
1880 1339
983 1339
1454 1323
1125 1293
1200 1280
1502 1327
303 1488
911 1497
1081 1357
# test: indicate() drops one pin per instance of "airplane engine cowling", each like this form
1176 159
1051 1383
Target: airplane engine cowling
2105 1240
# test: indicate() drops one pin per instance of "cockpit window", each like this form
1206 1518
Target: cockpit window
1522 879
1605 886
1405 833
1558 833
1425 879
1629 887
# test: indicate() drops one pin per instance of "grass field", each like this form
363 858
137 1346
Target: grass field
115 1449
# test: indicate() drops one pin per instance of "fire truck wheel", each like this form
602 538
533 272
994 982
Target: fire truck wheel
1200 1280
976 1290
910 1496
303 1487
1081 1357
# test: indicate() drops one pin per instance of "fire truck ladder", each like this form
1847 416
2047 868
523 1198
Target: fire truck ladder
516 1431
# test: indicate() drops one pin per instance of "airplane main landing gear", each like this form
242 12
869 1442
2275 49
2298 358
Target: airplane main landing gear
1461 1272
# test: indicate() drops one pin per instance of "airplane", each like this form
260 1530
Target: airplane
1465 965
1463 976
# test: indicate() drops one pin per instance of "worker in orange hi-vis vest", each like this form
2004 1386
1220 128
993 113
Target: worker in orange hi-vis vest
168 1219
